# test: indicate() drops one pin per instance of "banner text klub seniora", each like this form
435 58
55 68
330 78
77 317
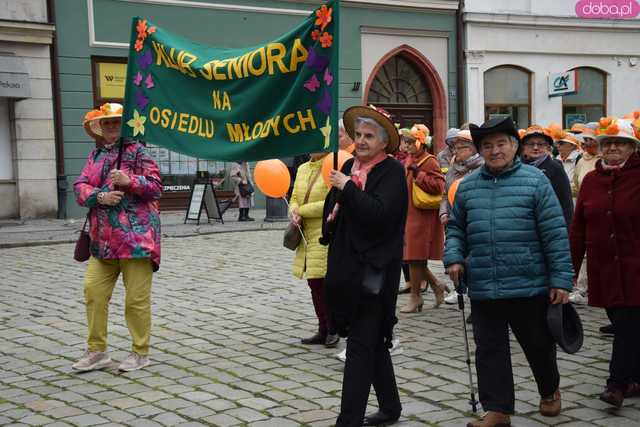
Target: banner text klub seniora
275 100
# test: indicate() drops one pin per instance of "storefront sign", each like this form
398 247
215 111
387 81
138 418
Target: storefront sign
563 83
571 119
111 80
14 78
174 188
608 9
275 100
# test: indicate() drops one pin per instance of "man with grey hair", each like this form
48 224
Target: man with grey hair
507 235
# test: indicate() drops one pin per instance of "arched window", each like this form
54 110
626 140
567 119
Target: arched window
589 103
400 88
507 92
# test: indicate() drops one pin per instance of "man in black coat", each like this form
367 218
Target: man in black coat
536 148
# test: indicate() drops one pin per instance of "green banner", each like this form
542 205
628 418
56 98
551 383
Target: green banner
275 100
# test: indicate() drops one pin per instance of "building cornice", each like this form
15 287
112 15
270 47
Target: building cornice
26 32
549 22
407 32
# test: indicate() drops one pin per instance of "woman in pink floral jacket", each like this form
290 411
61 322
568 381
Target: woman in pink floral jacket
124 227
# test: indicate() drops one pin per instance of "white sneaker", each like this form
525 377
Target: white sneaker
452 298
92 360
577 297
133 362
396 348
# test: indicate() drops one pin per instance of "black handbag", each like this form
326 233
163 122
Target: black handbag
292 237
82 252
372 281
246 190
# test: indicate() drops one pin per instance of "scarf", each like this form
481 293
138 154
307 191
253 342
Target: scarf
462 168
359 173
536 162
607 167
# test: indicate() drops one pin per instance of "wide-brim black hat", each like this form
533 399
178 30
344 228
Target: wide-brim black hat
496 125
565 326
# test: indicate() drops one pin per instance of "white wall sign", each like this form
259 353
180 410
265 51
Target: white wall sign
563 83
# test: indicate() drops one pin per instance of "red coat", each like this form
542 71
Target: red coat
606 224
424 234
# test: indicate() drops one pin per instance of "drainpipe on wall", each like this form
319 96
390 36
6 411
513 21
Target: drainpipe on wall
57 115
460 63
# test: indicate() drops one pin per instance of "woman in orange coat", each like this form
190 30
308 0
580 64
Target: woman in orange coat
424 234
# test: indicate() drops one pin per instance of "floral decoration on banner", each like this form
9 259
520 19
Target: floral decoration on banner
144 58
324 16
137 123
326 40
607 126
143 32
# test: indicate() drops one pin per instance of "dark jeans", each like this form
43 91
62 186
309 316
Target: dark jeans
368 362
625 356
319 304
527 318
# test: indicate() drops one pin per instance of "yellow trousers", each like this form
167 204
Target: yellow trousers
100 279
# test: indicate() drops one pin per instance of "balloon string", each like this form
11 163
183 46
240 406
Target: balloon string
299 228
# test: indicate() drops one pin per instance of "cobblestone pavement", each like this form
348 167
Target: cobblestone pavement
227 321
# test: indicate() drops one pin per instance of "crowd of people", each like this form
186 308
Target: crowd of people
511 214
516 238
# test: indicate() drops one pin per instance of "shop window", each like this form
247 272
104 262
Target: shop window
507 92
6 153
589 103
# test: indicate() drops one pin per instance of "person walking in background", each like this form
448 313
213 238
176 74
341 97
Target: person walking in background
507 235
536 143
363 224
586 164
568 153
605 226
124 227
465 160
240 174
424 234
590 156
445 155
305 210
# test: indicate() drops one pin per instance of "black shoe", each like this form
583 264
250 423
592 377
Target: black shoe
332 341
248 218
607 330
318 338
379 419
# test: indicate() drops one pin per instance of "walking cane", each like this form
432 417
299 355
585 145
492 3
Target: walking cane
460 290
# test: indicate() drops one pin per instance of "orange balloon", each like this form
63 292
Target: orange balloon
327 164
272 178
452 191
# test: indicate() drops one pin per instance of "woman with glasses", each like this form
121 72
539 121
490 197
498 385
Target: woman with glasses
535 151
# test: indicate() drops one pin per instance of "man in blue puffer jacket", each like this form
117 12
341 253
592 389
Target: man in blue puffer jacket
508 235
